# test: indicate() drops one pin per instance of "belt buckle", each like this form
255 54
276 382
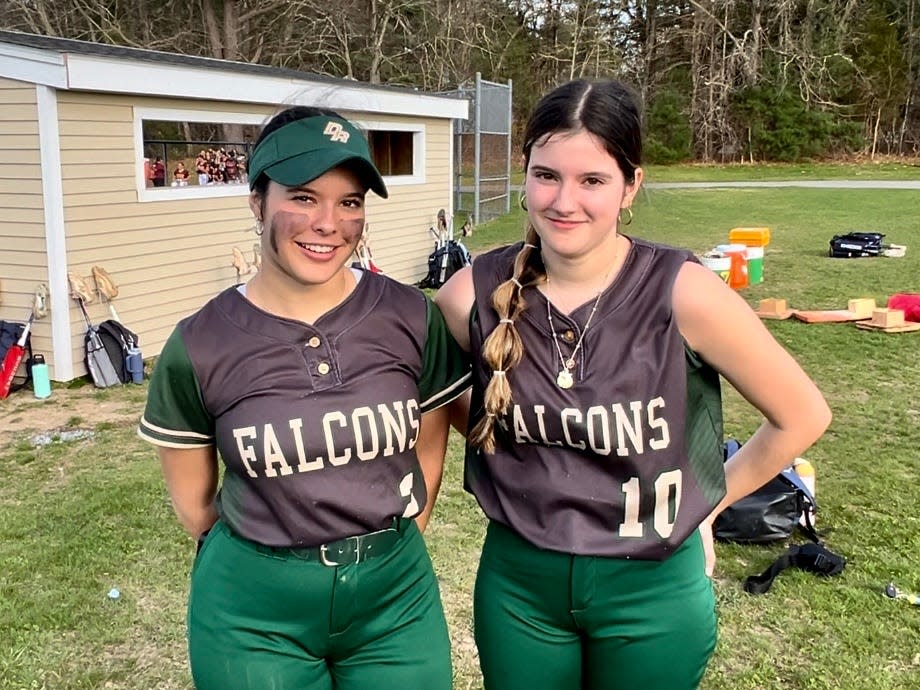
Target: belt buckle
324 559
348 556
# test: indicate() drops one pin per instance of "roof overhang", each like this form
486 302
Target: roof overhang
33 65
106 74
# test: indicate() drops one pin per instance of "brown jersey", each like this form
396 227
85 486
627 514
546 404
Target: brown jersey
316 423
628 461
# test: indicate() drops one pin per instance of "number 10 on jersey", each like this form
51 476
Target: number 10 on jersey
667 484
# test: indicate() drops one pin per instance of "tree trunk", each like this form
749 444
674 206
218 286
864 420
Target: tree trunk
878 120
753 63
231 31
377 27
212 29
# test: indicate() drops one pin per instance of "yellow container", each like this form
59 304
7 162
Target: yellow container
750 237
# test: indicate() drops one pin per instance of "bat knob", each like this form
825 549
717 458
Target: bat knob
891 590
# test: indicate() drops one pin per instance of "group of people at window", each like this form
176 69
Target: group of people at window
220 166
213 166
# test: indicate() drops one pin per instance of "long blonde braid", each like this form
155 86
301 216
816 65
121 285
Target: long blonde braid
502 349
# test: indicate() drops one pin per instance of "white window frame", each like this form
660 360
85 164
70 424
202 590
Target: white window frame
168 193
418 175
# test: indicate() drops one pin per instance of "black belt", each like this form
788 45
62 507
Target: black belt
347 551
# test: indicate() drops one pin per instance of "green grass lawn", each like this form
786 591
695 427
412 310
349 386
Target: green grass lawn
881 170
902 169
79 518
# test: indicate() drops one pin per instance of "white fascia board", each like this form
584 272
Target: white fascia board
33 65
104 74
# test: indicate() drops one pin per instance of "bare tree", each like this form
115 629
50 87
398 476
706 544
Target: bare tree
850 58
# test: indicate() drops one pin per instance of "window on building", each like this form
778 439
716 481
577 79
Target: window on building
393 152
180 153
206 153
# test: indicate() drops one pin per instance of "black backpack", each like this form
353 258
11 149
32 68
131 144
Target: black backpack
443 262
855 244
10 332
117 340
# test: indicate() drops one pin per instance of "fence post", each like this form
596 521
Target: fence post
477 150
508 157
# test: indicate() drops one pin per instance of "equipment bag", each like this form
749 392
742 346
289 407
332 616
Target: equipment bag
118 342
103 370
773 513
443 262
10 332
856 244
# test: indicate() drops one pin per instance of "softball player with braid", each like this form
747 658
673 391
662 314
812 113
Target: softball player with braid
323 390
595 421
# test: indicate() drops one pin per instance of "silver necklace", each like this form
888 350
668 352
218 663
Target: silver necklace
565 378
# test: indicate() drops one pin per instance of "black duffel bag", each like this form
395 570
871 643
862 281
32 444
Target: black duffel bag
770 513
856 244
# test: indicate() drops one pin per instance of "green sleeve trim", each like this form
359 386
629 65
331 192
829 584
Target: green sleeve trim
704 432
445 366
176 415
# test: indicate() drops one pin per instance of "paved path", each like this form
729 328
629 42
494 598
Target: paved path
821 184
816 184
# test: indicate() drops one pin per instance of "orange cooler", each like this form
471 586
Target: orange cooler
738 275
750 237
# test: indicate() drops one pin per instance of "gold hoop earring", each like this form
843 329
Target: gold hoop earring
629 216
522 201
258 227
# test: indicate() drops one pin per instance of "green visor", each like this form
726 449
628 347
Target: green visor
304 149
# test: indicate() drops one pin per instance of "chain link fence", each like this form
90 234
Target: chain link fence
482 151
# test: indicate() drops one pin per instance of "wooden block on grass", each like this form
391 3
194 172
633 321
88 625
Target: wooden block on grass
771 305
862 307
887 318
772 308
889 321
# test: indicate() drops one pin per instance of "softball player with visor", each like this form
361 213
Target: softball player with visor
595 428
322 389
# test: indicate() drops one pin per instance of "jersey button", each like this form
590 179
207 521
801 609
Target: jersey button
568 336
313 342
322 368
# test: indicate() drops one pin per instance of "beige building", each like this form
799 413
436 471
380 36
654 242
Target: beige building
78 120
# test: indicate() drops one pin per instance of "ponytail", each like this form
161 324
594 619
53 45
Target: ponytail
502 349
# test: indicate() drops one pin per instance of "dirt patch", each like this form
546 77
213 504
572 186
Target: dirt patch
84 407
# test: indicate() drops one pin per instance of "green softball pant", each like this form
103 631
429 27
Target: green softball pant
260 620
546 620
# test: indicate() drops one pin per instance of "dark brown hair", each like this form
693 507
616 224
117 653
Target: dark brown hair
608 110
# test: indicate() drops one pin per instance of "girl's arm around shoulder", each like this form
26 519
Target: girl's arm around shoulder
720 326
445 378
191 478
455 300
430 449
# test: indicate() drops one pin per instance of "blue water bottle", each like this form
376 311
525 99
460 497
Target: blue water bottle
41 383
134 363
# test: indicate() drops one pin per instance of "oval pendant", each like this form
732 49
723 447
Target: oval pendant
564 379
